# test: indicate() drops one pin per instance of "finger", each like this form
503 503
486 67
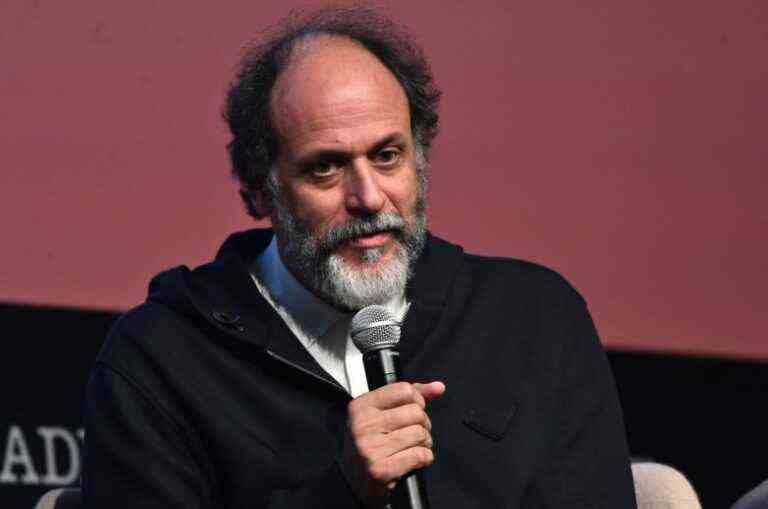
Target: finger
431 390
378 447
401 464
387 421
392 395
405 438
404 416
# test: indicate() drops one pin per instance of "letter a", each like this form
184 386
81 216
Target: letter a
17 453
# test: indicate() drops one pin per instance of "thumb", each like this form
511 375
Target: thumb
431 390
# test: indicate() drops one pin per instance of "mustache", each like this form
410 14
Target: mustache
357 226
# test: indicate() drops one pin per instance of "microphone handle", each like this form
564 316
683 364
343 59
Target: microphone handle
382 367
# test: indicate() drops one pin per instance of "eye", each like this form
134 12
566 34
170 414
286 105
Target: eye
323 168
388 157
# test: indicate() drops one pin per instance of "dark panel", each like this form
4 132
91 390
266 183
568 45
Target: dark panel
46 359
706 417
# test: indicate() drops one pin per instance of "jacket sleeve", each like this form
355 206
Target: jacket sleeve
589 465
135 455
328 490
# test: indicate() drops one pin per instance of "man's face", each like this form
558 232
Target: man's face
348 202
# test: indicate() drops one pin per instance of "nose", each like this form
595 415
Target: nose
364 193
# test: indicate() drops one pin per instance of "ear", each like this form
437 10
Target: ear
261 203
257 203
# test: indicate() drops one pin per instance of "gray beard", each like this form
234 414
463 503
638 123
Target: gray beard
316 263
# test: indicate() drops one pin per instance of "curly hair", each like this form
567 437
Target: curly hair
253 147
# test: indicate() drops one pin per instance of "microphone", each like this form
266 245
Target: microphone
376 332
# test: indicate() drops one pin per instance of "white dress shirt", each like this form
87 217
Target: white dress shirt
321 328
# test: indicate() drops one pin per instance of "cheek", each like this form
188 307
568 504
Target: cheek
405 193
316 209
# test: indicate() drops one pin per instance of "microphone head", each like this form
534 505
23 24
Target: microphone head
373 328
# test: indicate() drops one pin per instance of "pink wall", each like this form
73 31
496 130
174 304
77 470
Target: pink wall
623 143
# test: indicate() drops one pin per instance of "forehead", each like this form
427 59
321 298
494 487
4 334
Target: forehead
331 84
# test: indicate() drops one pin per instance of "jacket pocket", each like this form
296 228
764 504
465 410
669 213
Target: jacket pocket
492 423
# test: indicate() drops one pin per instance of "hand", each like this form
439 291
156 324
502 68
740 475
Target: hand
388 437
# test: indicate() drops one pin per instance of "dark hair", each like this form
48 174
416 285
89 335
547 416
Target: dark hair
254 147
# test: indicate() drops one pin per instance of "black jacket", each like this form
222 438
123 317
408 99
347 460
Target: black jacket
202 397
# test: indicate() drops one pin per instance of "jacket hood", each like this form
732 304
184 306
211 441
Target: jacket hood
223 293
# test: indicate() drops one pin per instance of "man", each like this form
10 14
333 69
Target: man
236 385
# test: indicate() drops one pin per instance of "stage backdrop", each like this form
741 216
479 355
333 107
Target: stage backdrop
622 143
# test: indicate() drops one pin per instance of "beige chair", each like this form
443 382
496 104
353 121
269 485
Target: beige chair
757 498
660 486
61 498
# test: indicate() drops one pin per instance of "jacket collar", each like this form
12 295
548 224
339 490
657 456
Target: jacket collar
434 276
224 294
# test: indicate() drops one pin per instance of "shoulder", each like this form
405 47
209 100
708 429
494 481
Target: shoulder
447 269
516 277
147 331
